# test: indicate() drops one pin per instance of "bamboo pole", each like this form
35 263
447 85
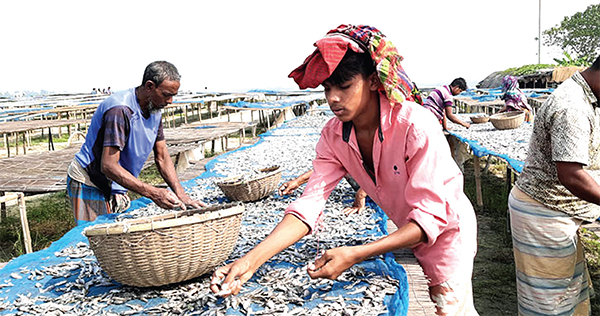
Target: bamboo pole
23 214
24 223
478 181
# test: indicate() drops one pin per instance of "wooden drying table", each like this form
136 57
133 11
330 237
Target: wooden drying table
17 128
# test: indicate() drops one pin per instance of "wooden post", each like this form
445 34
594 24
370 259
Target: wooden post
6 145
50 142
185 111
268 122
173 117
24 144
16 136
24 223
23 214
477 181
508 179
251 116
2 207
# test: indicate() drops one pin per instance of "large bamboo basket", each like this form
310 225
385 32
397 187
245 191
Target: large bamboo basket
164 249
251 190
508 120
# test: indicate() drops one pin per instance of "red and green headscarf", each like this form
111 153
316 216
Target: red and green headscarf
362 38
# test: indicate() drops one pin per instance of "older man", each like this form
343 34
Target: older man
125 128
557 191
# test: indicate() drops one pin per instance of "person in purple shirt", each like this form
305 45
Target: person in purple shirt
125 128
440 102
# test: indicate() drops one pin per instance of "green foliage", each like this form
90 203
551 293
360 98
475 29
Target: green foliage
526 69
578 35
568 61
50 217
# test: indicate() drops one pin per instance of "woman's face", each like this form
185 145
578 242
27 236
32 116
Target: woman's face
351 98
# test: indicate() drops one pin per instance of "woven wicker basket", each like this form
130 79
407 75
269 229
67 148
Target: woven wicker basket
508 120
159 250
480 119
253 189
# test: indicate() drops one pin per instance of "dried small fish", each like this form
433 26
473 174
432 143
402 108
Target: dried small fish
79 286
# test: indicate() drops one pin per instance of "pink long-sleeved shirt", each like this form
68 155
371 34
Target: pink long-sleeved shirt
416 179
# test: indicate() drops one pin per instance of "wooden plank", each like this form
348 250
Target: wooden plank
419 302
478 181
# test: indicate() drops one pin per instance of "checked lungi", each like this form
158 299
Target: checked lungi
88 202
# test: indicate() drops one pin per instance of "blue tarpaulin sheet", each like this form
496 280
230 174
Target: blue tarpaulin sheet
263 105
396 304
480 151
188 101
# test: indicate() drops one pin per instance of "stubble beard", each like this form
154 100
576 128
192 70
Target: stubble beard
151 108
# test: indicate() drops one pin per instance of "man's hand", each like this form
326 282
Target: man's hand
229 279
166 199
333 263
190 203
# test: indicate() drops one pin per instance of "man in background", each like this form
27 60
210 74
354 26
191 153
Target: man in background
555 194
441 101
125 128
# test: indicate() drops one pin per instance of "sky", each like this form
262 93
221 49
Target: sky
235 46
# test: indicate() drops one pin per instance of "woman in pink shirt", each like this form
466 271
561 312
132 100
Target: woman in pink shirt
397 153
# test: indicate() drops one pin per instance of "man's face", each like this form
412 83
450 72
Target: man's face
456 90
349 99
162 95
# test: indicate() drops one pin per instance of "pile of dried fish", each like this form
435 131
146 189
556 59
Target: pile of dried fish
513 143
78 286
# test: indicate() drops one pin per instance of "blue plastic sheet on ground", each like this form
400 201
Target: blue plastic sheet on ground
396 304
480 151
188 101
265 91
485 97
206 126
263 105
25 110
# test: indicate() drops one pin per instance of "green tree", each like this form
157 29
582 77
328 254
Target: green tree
578 35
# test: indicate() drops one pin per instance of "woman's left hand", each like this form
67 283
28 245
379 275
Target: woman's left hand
333 263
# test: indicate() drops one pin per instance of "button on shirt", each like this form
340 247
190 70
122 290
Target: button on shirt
566 129
415 179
